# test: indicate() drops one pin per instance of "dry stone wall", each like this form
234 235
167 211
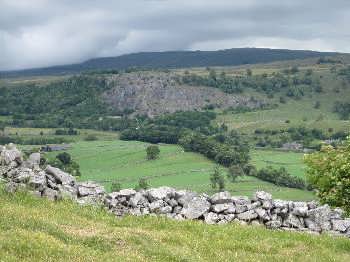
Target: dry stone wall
221 208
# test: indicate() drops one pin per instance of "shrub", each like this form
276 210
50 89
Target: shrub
116 186
280 177
143 184
65 158
234 172
152 152
65 162
63 132
91 137
231 152
317 105
217 180
342 109
329 172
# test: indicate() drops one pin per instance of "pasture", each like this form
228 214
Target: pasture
125 162
291 161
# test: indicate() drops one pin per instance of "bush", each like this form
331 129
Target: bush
63 132
65 162
232 151
153 134
143 184
116 186
217 180
317 105
234 172
329 172
342 109
91 137
280 177
31 141
65 158
152 152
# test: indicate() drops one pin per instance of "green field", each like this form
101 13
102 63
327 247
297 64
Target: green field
298 112
34 229
291 161
50 133
125 161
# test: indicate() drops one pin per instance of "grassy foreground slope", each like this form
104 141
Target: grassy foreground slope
125 161
39 230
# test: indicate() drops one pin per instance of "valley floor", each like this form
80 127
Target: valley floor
125 162
39 230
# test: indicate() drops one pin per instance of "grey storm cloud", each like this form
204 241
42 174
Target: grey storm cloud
36 33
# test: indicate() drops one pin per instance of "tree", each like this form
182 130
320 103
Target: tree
65 162
222 75
328 171
212 74
2 128
309 72
317 105
294 69
65 158
234 172
91 137
249 72
152 152
116 186
217 180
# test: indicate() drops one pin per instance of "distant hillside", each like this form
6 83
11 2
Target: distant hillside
175 59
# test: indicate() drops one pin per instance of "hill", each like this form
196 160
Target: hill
295 102
175 59
34 229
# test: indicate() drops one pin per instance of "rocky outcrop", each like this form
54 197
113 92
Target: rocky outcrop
159 93
221 208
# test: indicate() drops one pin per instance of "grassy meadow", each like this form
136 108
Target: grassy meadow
125 162
50 133
34 229
299 113
291 161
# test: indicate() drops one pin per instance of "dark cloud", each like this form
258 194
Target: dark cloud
37 33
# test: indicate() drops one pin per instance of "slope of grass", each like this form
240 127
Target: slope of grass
291 161
39 230
125 161
298 112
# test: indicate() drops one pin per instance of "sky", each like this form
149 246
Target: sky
40 33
